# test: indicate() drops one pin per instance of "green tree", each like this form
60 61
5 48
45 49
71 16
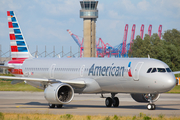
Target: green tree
172 37
166 50
137 47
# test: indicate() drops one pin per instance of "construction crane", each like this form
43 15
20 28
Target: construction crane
150 30
104 49
128 46
160 31
142 31
76 39
120 50
124 40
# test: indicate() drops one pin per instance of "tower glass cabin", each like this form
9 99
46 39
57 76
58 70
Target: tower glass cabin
89 13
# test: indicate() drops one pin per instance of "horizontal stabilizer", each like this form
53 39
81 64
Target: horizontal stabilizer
7 67
177 72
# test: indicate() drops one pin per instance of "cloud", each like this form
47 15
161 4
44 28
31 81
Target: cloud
2 31
143 5
65 7
46 22
129 5
6 5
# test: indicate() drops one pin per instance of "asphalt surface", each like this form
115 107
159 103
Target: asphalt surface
87 104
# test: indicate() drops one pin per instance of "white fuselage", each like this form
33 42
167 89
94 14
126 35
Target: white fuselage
111 74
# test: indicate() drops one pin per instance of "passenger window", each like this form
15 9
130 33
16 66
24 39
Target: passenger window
154 70
168 70
161 70
149 70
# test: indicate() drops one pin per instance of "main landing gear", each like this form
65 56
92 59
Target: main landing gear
151 105
112 101
53 105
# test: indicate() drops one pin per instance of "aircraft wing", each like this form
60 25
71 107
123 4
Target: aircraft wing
176 72
7 67
74 83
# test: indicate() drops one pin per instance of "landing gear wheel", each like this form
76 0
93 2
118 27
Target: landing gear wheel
151 106
115 102
59 106
108 102
51 105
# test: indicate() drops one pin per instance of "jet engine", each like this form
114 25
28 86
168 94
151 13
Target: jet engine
59 93
145 97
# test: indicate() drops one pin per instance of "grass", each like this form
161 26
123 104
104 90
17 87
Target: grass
5 85
37 116
176 89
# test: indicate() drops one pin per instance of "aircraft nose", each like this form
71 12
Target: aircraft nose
169 82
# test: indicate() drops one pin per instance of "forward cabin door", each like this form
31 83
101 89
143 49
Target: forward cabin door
137 70
51 72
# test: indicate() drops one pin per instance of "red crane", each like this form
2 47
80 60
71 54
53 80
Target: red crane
132 35
124 40
102 48
160 31
142 31
76 39
150 30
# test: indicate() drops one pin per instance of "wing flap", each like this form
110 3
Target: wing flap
24 78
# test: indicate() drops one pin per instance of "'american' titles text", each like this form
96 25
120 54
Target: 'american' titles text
106 70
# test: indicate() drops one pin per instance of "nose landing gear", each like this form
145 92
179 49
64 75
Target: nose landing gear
151 105
112 101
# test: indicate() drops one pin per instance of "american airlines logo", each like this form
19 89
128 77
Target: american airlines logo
106 70
129 69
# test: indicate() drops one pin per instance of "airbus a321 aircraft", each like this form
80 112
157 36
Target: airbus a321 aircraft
60 78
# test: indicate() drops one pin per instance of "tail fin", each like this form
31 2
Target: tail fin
19 49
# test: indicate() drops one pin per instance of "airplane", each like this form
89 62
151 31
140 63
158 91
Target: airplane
60 78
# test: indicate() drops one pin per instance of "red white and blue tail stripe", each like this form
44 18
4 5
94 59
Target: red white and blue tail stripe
19 49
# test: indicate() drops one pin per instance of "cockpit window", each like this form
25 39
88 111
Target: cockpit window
154 70
168 70
149 70
161 70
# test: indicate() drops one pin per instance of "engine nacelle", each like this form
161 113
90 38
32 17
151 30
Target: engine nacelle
144 97
59 93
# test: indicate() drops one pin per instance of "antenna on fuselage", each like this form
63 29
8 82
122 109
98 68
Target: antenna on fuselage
148 56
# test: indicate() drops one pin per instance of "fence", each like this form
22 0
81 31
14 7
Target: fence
6 56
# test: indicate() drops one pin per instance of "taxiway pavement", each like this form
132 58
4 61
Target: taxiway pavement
87 104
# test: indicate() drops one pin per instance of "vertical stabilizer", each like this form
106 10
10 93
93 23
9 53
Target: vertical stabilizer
19 49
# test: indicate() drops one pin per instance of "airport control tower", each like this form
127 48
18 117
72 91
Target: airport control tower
89 13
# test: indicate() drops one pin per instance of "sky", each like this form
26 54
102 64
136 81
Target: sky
45 22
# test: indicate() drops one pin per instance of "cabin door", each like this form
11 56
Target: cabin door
52 68
137 70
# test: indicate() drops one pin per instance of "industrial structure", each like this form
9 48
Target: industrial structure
90 48
120 50
89 13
